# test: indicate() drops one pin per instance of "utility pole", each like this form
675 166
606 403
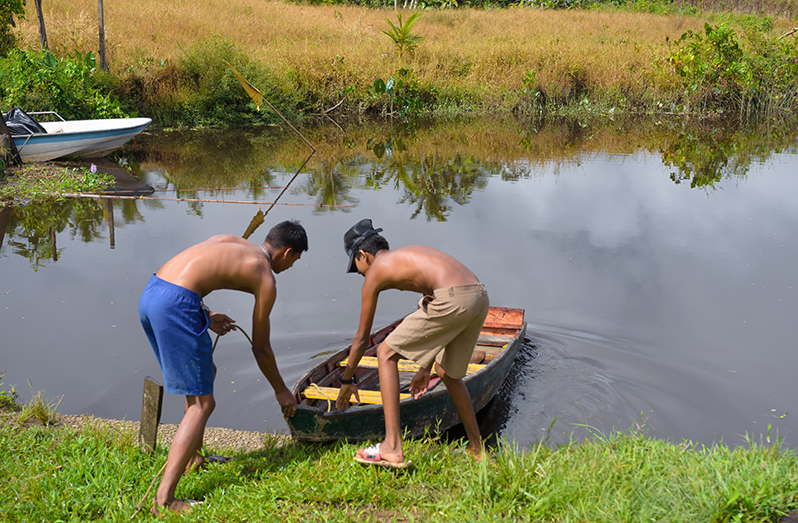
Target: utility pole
42 31
103 64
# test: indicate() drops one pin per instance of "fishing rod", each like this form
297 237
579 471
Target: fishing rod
258 98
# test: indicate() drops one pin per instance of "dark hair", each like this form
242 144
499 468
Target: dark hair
288 234
373 244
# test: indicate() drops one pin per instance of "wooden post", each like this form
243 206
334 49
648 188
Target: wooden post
42 31
8 151
151 405
103 64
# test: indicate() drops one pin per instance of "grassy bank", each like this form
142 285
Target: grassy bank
167 59
96 473
43 181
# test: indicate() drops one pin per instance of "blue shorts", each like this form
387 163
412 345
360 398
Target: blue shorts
177 327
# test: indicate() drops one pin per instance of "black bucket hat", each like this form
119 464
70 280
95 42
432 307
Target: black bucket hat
354 237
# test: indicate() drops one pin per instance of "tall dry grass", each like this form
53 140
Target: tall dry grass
480 56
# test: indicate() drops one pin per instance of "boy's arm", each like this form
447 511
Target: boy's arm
368 308
262 349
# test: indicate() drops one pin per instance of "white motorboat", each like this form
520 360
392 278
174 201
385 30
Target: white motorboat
76 138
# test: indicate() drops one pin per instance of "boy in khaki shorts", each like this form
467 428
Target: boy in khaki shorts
443 331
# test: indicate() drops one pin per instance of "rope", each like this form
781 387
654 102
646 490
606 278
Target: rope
317 389
141 503
211 189
124 197
235 327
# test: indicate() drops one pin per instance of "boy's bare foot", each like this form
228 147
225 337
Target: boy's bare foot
178 506
196 463
200 462
478 453
373 456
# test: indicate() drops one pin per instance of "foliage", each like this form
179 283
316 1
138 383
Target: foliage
402 93
40 181
682 7
38 409
405 41
9 9
38 81
9 399
719 72
199 89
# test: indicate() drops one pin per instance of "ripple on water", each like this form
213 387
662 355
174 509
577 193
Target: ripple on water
551 394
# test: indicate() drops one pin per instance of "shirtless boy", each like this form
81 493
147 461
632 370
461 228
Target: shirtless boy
443 331
177 322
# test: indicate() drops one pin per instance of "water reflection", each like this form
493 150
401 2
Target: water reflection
30 230
436 166
642 295
705 153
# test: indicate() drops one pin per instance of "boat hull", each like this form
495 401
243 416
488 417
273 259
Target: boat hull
84 138
433 411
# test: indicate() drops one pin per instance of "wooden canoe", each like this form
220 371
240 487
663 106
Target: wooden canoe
318 420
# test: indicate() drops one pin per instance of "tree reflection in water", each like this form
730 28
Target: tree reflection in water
434 166
31 229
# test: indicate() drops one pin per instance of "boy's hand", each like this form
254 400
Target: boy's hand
287 402
420 383
344 393
221 323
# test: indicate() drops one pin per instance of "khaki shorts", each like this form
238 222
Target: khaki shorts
445 328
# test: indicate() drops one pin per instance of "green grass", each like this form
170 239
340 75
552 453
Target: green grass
41 180
99 474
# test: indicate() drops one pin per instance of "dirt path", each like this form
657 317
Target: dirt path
215 437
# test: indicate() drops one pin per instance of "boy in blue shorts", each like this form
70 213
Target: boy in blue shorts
177 322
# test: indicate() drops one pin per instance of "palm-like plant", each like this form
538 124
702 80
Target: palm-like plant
400 34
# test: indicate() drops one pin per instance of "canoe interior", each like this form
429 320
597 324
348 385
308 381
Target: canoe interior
501 326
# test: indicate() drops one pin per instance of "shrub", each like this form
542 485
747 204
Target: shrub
9 8
718 72
38 81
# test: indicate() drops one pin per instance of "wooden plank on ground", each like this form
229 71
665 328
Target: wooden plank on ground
151 404
371 397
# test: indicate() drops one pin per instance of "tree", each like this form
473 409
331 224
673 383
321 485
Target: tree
40 19
9 8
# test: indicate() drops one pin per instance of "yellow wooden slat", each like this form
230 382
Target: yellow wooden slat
372 397
370 362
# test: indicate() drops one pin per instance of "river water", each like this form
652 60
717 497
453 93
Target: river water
655 262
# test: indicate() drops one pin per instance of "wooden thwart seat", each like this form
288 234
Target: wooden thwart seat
371 397
370 362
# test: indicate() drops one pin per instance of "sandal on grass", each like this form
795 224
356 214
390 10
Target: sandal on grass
371 456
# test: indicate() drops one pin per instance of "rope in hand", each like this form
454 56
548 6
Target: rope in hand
235 328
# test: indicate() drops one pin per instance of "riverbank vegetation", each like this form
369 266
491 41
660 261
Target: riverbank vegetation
98 472
166 61
43 181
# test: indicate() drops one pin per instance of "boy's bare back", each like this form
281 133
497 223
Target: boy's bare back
224 261
417 268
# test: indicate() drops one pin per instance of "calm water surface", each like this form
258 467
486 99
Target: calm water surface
657 271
